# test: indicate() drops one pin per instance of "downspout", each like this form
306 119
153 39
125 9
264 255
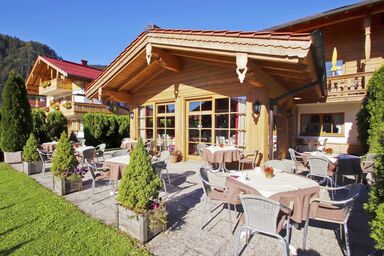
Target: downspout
271 123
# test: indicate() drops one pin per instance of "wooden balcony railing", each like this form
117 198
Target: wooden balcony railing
55 87
78 109
351 87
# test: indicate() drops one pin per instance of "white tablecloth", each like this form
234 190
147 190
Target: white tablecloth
281 182
82 148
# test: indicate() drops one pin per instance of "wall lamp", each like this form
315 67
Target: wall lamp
132 114
257 107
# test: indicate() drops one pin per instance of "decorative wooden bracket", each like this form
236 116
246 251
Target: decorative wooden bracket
241 63
99 93
148 53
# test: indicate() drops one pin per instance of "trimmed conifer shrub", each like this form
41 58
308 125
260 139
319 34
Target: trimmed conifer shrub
16 121
56 124
377 227
370 118
30 153
39 125
140 183
64 161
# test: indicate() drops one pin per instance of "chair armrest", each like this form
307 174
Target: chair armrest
331 202
333 189
214 186
367 164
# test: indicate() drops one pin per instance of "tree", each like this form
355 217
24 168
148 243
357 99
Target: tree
64 162
39 125
370 118
30 153
56 124
16 121
140 183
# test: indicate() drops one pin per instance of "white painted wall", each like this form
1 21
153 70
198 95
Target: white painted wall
348 108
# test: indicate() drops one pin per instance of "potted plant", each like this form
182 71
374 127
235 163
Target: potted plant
16 118
176 156
67 175
32 163
139 211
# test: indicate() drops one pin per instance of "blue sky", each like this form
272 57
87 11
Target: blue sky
99 30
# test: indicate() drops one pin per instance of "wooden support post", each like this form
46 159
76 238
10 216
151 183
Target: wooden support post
270 146
367 26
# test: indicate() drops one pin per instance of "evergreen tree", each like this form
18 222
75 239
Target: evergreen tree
16 121
39 125
30 153
140 183
64 161
56 124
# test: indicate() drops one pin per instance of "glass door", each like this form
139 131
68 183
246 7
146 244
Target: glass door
199 125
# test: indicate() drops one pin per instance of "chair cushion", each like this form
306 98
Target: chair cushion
103 175
246 160
329 212
217 194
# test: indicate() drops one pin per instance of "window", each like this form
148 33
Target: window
165 126
322 124
230 119
337 72
146 122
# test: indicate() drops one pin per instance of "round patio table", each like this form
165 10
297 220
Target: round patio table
128 144
283 187
49 146
342 164
221 155
117 166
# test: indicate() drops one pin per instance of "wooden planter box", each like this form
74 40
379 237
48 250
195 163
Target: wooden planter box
12 157
135 225
32 167
64 186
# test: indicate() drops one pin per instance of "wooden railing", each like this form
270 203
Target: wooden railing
91 108
55 87
351 87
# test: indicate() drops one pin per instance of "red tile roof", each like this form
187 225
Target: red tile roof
219 33
74 69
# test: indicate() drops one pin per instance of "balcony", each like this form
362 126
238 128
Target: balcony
351 87
78 109
55 87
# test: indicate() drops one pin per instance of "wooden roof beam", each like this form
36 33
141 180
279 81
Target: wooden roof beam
118 96
167 61
259 78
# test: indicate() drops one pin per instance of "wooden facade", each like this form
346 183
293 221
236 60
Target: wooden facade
356 34
181 69
62 83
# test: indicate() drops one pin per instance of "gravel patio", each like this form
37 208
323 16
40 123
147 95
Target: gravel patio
184 235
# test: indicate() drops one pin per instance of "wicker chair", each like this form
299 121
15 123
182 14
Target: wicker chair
100 151
213 193
159 166
266 216
276 164
290 165
368 167
248 158
164 157
318 167
200 148
46 157
96 176
297 158
334 211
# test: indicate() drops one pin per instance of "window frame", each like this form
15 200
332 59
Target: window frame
322 133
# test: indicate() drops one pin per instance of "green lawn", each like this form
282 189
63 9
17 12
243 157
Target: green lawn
34 221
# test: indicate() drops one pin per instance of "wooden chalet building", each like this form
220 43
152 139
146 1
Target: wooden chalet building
62 83
192 86
353 49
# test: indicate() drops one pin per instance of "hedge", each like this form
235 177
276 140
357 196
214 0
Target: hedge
371 134
105 128
48 127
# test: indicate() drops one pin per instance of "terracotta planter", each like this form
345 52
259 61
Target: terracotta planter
64 186
135 225
12 157
32 167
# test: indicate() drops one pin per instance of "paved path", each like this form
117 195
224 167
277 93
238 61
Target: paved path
185 237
